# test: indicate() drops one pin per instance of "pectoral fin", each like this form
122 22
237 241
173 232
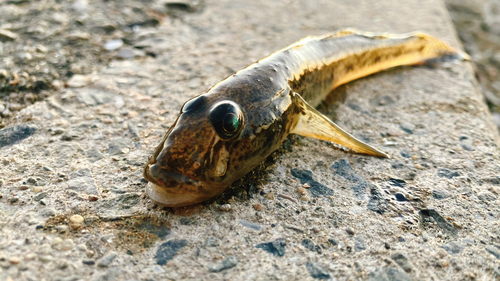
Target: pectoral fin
313 124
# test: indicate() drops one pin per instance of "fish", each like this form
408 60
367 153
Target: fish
223 134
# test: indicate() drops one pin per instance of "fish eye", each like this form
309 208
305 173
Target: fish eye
227 119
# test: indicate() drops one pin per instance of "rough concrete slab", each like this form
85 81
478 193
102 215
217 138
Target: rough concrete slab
430 212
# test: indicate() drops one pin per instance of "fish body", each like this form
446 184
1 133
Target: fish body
223 134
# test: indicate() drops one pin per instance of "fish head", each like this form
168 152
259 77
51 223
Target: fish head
191 164
218 138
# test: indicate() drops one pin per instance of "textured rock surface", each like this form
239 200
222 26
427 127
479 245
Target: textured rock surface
477 24
310 212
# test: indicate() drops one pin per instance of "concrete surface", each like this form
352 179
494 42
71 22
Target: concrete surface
73 203
476 22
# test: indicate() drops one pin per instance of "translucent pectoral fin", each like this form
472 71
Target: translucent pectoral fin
313 124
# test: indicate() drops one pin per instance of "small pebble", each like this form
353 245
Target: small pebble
78 81
62 264
333 241
467 143
37 189
316 271
402 261
32 181
129 53
306 185
442 253
228 263
400 197
211 242
30 257
93 198
66 245
107 259
407 127
48 169
390 143
76 219
45 258
14 260
113 44
440 193
425 236
40 196
61 228
90 220
23 187
81 247
303 198
250 225
88 261
78 35
258 207
55 131
486 196
225 207
56 241
301 190
405 153
493 250
350 231
6 35
48 212
420 167
75 226
269 196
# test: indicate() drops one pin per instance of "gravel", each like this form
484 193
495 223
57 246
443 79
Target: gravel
168 250
229 262
16 133
276 247
317 271
107 259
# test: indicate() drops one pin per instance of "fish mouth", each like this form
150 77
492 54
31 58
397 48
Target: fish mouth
174 189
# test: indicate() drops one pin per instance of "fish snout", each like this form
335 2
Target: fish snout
161 176
174 189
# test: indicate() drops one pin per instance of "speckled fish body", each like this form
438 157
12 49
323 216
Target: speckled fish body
222 135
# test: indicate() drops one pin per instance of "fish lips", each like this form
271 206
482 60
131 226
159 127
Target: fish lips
176 190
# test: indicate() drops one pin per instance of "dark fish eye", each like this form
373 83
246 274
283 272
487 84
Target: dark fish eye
227 119
230 123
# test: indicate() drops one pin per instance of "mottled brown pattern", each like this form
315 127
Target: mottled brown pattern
183 169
